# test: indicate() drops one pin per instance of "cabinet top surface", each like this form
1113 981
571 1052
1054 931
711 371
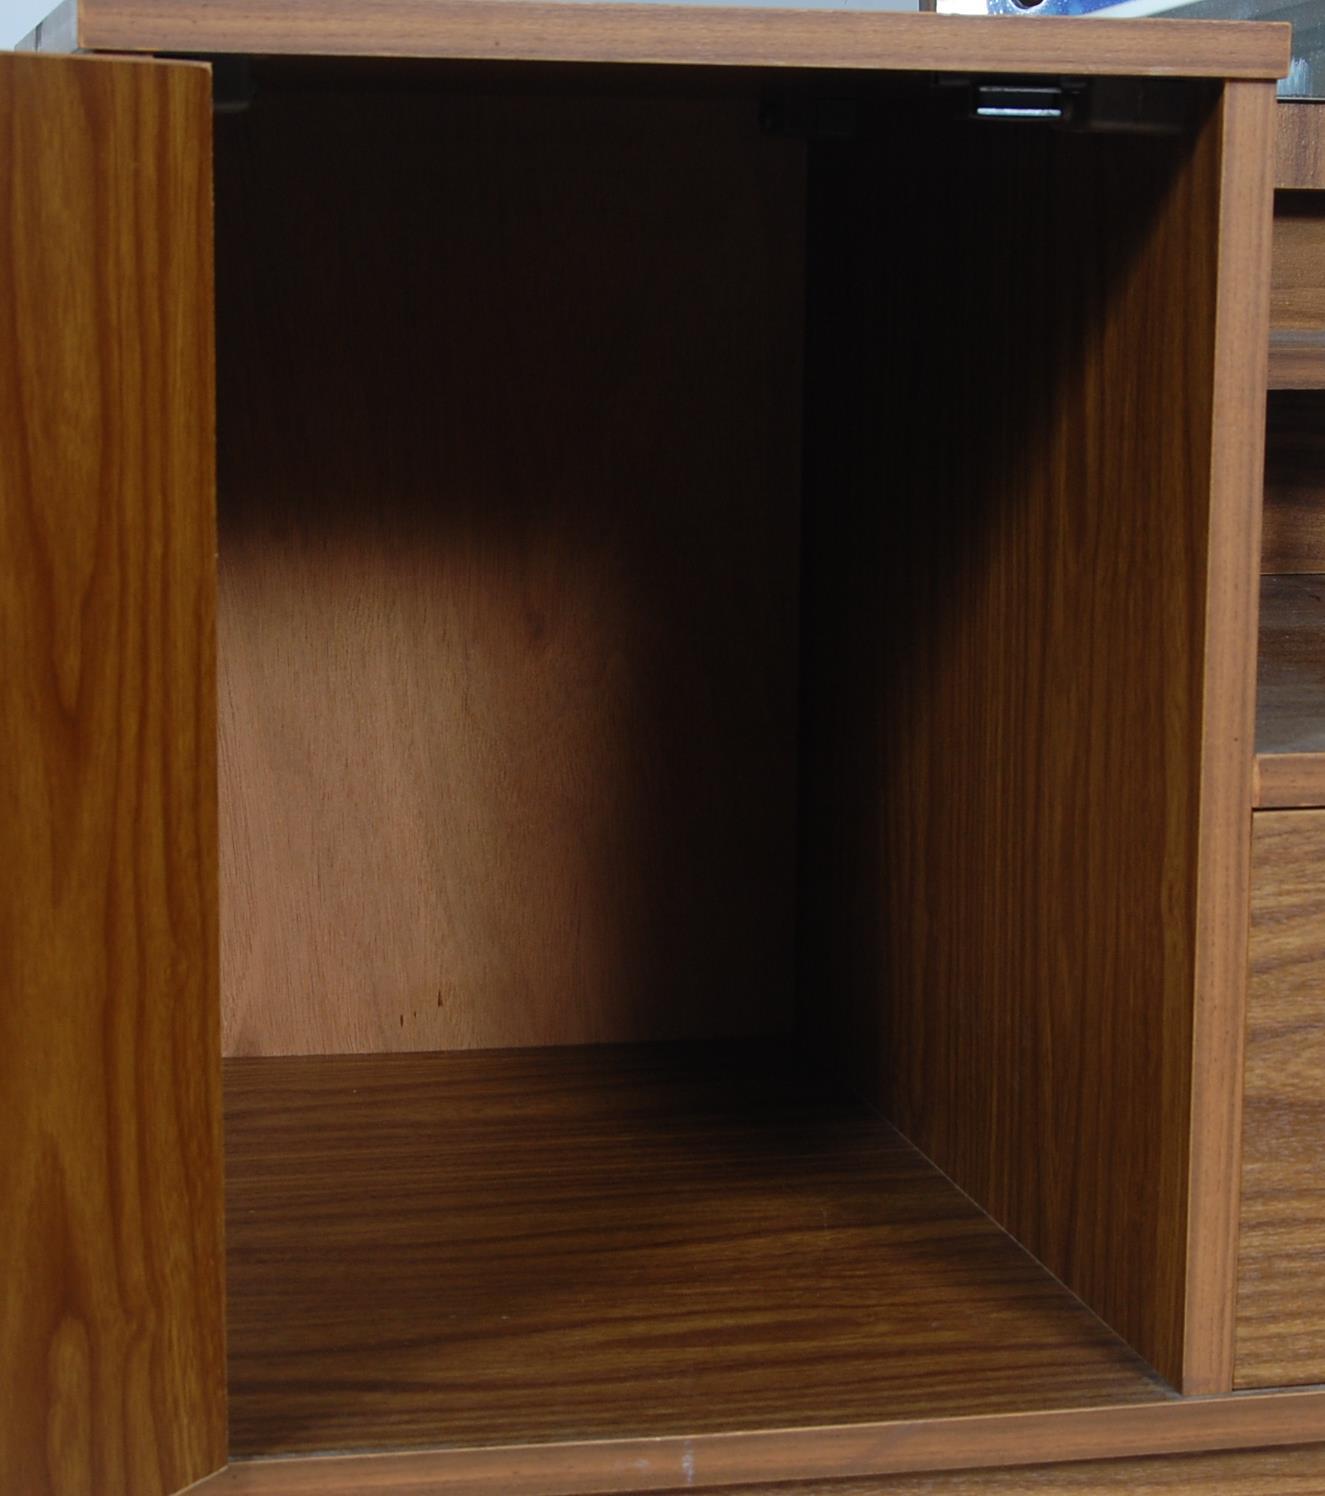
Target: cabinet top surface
747 36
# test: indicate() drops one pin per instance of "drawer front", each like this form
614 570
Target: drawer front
1281 1268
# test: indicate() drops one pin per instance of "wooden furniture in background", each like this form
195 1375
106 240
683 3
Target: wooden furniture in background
1293 532
1281 1300
1290 733
1281 1295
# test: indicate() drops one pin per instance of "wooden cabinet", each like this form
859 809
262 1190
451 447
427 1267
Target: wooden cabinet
687 735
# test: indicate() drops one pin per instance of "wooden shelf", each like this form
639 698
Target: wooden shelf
733 36
579 1244
1297 359
1290 700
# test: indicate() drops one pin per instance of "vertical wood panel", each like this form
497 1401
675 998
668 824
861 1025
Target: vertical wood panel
1228 730
510 427
111 1336
1281 1264
1010 629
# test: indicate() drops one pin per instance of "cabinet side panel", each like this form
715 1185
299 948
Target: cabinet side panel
1010 466
111 1335
1281 1259
1228 731
509 417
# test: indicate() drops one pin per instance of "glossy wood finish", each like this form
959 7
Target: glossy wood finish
1290 699
821 1456
1281 1279
513 30
508 562
1299 145
111 1340
586 1244
1030 690
1293 534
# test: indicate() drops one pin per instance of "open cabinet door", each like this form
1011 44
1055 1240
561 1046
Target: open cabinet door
112 1367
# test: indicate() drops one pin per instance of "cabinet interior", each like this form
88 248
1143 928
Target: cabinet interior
710 643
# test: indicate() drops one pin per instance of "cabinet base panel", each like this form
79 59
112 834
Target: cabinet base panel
584 1244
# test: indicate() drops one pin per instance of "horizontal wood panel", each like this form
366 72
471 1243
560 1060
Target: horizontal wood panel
587 1244
1281 1277
821 1457
514 30
1285 780
509 403
1293 532
1279 1472
111 1341
1297 360
1300 144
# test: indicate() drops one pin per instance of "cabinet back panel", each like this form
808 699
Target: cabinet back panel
509 425
1004 607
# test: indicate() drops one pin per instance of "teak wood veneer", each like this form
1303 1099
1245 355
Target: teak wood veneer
634 624
1281 1293
112 1347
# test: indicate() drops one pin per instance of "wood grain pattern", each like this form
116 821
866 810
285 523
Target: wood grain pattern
583 1244
709 1462
508 563
1293 533
1281 1276
512 30
1228 728
1285 780
1299 145
1290 697
1278 1472
1020 644
1297 359
1297 276
111 1339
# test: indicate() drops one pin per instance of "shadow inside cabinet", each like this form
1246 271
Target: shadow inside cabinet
710 658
